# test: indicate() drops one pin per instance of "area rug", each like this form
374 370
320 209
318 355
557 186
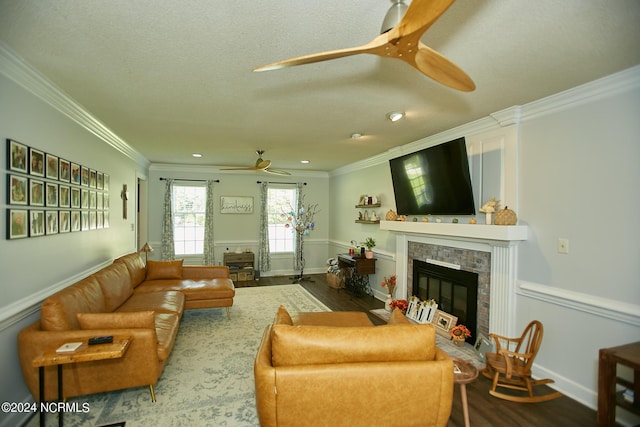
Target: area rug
208 379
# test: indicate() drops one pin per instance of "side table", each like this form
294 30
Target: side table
84 353
608 399
467 374
358 281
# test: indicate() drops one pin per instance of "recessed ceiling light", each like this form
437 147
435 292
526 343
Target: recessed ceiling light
304 161
196 155
394 116
356 135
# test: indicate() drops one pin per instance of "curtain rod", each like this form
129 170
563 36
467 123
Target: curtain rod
276 182
196 180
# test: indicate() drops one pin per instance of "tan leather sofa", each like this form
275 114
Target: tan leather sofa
125 298
336 368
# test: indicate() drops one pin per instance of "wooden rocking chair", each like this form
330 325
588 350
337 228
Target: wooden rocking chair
510 365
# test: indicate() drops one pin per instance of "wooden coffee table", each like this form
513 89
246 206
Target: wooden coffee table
467 374
85 353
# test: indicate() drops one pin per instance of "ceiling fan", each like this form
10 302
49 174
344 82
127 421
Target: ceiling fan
261 165
401 42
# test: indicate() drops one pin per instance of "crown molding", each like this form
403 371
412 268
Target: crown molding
22 73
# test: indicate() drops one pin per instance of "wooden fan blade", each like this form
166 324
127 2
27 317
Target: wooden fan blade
251 168
436 66
262 164
277 171
420 15
315 57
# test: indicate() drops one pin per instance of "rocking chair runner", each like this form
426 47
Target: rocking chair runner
510 365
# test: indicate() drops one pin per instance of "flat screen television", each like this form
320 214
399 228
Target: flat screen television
434 181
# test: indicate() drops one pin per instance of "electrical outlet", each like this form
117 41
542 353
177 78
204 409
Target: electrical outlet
563 246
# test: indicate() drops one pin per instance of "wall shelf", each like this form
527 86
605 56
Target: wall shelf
375 205
367 221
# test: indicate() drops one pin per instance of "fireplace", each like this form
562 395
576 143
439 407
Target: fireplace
455 291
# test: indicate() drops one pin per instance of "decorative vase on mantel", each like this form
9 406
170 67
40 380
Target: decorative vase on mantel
488 217
387 303
459 340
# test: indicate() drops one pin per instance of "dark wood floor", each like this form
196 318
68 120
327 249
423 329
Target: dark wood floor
484 409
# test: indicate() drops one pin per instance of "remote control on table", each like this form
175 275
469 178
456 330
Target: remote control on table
101 340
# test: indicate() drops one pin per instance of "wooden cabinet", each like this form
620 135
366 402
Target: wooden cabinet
241 265
608 398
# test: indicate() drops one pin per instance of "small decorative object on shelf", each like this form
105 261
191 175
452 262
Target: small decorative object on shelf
489 208
387 303
369 243
459 334
505 217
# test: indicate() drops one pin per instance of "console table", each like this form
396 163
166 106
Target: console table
627 355
357 282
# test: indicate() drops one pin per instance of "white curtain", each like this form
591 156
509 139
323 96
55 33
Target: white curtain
264 257
168 249
209 243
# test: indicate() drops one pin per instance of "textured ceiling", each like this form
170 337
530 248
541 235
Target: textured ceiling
172 77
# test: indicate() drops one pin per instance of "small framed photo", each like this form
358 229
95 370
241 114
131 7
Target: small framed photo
75 198
52 222
100 181
52 194
105 219
483 345
75 221
64 169
84 176
100 201
105 183
84 220
17 155
36 223
93 220
36 192
52 166
64 196
93 201
444 322
93 178
100 223
65 221
17 224
75 173
36 162
18 190
84 199
105 201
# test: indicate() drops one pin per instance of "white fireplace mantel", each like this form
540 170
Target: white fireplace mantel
500 241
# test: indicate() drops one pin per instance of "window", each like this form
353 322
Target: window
281 237
189 206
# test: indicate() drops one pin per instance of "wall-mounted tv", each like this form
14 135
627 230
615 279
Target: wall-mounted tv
434 181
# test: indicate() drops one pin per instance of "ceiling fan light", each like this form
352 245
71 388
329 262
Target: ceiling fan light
394 15
394 116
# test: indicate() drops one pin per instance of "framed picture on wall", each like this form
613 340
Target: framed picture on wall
75 198
17 155
75 173
52 222
36 192
65 221
52 166
64 169
51 194
64 196
17 223
84 176
75 221
36 223
18 190
36 162
236 205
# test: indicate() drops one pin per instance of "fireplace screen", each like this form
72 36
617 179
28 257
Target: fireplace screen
455 291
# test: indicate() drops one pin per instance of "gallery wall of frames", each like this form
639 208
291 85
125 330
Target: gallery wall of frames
48 194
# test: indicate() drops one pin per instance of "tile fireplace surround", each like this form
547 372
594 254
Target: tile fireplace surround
416 238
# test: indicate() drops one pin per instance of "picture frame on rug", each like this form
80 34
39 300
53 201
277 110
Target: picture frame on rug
444 322
17 223
75 173
51 199
236 204
36 192
36 223
52 166
18 191
483 345
64 170
36 162
17 156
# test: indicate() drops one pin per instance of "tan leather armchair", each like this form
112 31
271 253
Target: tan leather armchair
316 375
